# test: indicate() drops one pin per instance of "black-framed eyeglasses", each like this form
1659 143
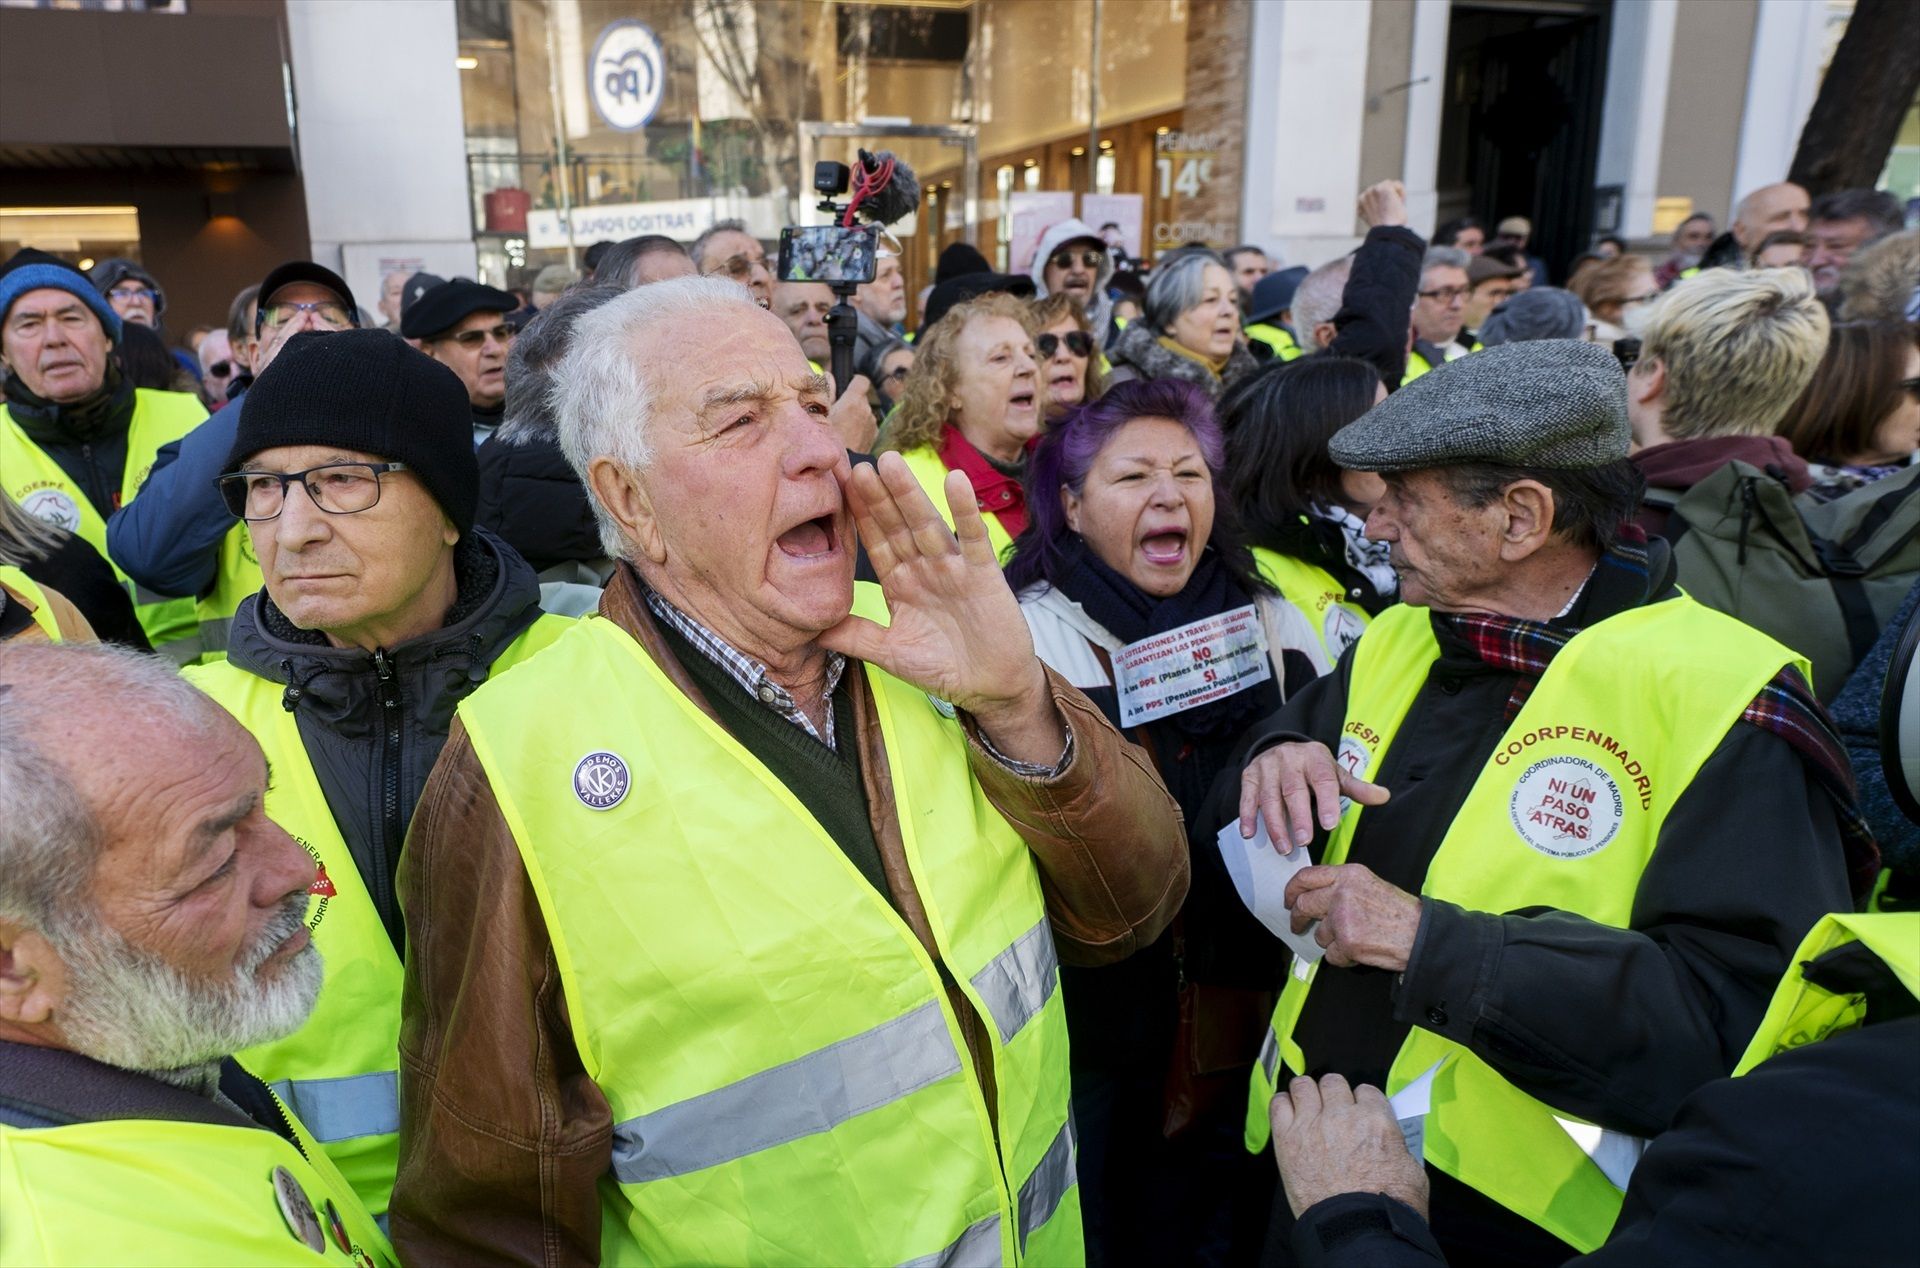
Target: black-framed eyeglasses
331 311
1066 256
338 488
220 369
1078 342
474 338
1445 294
896 375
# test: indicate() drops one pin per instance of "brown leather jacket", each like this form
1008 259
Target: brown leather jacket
504 1140
17 618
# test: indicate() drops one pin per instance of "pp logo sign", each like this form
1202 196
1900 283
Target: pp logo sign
627 75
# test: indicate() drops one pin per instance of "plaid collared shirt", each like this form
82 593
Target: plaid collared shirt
750 673
753 677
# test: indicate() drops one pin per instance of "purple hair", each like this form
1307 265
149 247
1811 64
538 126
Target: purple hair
1067 452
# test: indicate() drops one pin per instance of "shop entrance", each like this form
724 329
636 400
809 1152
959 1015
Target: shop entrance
1520 130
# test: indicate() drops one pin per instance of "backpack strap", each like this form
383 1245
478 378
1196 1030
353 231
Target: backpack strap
1884 509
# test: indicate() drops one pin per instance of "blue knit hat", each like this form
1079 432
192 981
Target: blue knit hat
32 270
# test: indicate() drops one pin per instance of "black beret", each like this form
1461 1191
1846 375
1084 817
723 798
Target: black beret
449 304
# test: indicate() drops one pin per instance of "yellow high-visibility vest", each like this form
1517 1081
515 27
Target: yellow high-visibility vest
340 1070
1565 814
1336 619
789 1083
1278 338
150 1191
927 468
44 490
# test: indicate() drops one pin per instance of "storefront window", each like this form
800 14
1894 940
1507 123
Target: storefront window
601 119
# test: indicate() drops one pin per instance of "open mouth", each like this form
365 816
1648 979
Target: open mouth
1065 378
1166 548
1023 399
816 538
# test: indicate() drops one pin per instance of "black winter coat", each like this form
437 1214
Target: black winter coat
372 760
1748 859
1377 305
1808 1159
532 500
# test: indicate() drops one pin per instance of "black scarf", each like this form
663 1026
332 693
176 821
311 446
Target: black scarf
1131 615
104 413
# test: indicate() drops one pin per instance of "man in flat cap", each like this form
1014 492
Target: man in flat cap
1569 824
463 325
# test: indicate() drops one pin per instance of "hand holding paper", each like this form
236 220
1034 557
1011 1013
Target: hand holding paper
1260 875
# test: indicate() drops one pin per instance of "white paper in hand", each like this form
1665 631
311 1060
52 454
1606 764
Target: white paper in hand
1260 874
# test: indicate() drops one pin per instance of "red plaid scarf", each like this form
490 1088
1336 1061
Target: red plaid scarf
1786 706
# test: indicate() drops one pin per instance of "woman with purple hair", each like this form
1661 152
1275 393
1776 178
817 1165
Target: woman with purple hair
1133 578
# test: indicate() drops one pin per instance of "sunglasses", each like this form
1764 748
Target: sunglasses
1065 258
1078 342
220 369
474 338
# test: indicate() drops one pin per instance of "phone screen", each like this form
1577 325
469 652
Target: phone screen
828 253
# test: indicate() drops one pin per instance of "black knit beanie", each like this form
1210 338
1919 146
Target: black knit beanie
368 391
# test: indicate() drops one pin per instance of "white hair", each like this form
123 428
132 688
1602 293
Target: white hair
604 391
1317 298
125 1006
50 838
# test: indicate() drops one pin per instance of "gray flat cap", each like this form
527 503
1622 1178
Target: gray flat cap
1544 312
1557 403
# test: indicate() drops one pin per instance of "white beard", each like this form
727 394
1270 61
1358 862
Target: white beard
131 1009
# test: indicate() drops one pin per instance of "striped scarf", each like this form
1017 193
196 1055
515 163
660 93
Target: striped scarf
1786 706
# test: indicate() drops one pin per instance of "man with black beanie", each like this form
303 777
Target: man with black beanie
353 471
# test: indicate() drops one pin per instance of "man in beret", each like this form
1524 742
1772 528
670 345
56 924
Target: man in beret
1569 825
463 325
353 476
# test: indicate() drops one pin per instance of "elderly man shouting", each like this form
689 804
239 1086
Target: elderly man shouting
734 918
152 921
1570 823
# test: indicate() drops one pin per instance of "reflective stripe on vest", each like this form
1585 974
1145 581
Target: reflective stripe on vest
340 1068
347 1108
1565 815
44 490
788 1079
1802 1012
24 586
927 468
147 1191
1312 589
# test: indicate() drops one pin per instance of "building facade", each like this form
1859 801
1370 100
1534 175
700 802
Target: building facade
493 137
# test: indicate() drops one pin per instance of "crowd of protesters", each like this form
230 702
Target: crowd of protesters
1376 761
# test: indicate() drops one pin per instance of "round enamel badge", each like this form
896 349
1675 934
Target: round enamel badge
600 781
1566 807
53 507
